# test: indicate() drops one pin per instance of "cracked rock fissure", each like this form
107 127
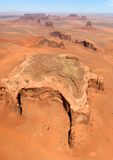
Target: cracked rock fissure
66 105
19 102
70 115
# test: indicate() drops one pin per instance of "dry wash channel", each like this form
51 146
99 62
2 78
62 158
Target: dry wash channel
60 77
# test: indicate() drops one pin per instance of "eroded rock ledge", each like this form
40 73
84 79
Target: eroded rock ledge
63 77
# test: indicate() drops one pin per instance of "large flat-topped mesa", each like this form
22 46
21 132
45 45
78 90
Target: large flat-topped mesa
60 77
61 73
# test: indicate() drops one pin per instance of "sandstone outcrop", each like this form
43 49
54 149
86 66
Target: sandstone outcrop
51 43
73 17
86 44
84 18
89 24
32 18
62 77
76 17
60 35
49 24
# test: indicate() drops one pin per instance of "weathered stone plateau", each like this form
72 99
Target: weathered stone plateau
59 76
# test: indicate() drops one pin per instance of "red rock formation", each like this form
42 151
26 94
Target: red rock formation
61 77
49 24
86 44
51 43
60 35
73 17
89 24
84 18
32 18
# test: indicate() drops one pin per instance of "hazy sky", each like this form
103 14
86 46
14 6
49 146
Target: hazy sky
57 5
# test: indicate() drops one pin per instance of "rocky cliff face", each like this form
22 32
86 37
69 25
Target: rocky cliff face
62 77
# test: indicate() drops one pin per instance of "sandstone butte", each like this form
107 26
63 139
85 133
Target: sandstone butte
60 76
